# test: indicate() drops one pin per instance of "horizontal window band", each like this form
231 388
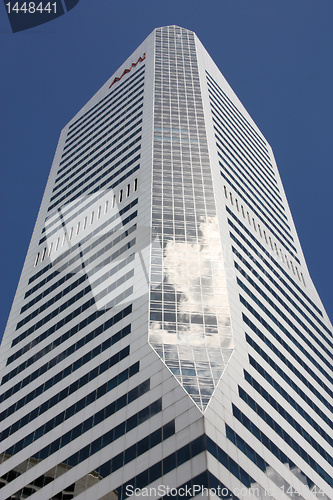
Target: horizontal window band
109 437
97 171
286 437
283 329
78 159
109 100
72 388
290 365
84 402
278 287
276 264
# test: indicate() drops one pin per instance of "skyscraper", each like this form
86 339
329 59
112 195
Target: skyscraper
165 332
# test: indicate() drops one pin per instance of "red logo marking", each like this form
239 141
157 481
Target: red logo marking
128 70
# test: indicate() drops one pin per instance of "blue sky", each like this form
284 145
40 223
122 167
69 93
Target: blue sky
276 55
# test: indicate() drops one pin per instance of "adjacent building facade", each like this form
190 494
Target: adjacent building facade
165 337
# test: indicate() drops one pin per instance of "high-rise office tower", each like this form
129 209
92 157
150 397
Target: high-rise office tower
165 332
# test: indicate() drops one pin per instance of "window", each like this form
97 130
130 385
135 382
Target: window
36 260
43 254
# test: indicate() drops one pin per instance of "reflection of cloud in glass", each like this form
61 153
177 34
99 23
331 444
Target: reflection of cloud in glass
197 333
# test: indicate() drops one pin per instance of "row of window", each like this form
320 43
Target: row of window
76 167
69 276
104 128
284 413
113 360
123 263
229 463
240 152
83 165
108 101
76 407
98 162
271 446
276 285
290 350
82 293
276 264
110 124
109 305
48 332
86 262
287 438
87 424
292 367
256 458
229 164
60 357
268 216
79 203
77 246
169 463
137 450
249 172
82 208
283 329
265 467
87 221
262 220
231 114
71 331
138 98
262 234
224 121
286 308
104 440
94 187
239 118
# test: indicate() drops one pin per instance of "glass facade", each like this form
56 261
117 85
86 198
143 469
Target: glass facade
189 311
